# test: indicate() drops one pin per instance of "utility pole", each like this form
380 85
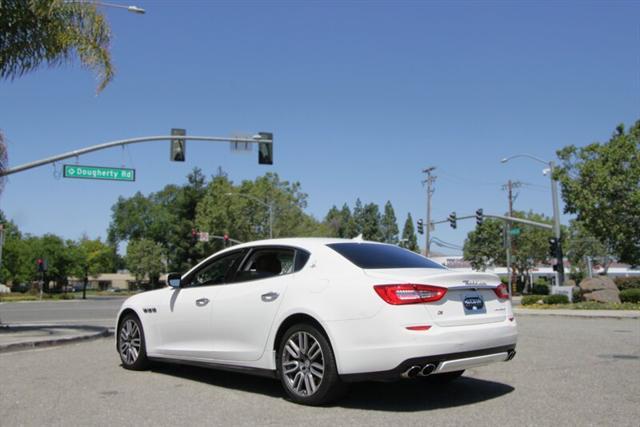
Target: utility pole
509 187
430 190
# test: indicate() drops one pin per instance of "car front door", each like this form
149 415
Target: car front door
185 329
243 311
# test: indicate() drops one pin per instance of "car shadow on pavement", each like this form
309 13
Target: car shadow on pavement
421 394
249 383
401 396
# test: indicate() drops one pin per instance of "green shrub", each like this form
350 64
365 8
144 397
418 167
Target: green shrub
540 289
627 282
531 299
577 294
556 299
630 295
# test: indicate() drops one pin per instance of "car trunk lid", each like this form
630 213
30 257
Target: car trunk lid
470 297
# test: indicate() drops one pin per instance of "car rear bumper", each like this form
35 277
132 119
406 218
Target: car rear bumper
381 346
441 363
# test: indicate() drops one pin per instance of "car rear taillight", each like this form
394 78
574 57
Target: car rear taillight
409 293
501 291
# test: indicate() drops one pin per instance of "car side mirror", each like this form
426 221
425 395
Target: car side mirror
174 280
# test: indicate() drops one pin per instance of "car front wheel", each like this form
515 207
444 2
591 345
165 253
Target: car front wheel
131 347
307 366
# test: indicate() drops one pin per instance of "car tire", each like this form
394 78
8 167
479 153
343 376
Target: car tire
131 344
307 366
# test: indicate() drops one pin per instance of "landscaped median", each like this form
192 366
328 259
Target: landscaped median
539 303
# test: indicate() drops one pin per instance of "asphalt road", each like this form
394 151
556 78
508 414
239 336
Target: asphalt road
568 371
97 311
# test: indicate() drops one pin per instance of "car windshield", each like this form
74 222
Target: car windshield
376 256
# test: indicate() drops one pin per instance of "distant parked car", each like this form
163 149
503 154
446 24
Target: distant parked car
318 313
68 288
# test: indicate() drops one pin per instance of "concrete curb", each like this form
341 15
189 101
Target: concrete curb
94 332
588 314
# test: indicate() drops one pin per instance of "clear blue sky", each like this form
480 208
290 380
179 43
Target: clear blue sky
361 96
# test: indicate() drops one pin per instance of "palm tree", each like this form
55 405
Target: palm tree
53 32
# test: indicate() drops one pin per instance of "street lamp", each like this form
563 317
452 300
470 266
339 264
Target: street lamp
269 206
554 199
133 9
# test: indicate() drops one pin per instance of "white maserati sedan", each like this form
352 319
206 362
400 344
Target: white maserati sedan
317 313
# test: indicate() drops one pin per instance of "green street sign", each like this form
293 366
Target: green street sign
514 231
99 172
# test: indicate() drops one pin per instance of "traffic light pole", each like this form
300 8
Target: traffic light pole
75 153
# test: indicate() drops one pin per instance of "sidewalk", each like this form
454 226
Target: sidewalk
595 314
25 336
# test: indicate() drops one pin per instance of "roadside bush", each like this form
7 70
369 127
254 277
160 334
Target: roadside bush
577 294
556 299
630 295
531 299
627 283
540 289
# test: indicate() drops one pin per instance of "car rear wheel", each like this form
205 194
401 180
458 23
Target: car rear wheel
131 346
307 366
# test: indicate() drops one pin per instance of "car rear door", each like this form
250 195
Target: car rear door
243 311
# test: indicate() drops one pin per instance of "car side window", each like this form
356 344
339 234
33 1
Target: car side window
265 263
215 272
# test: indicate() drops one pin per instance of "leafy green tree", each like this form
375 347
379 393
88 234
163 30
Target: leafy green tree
371 223
358 218
581 244
12 253
52 32
339 222
90 258
389 225
146 260
242 211
409 239
531 246
483 246
601 185
166 217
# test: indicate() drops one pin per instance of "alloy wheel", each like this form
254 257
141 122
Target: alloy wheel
130 342
303 363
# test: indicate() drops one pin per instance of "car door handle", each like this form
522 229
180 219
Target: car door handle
270 296
202 302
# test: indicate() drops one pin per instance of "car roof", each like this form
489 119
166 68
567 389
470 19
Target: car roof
308 243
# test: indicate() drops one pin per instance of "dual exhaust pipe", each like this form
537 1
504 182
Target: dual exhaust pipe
416 370
423 371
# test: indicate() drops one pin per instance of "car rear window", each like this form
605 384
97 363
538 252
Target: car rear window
374 256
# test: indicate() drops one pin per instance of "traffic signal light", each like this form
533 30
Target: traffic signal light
178 146
265 148
453 220
420 226
226 240
194 236
479 217
553 247
41 265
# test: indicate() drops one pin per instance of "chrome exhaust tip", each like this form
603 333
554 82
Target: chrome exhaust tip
511 355
428 369
412 372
